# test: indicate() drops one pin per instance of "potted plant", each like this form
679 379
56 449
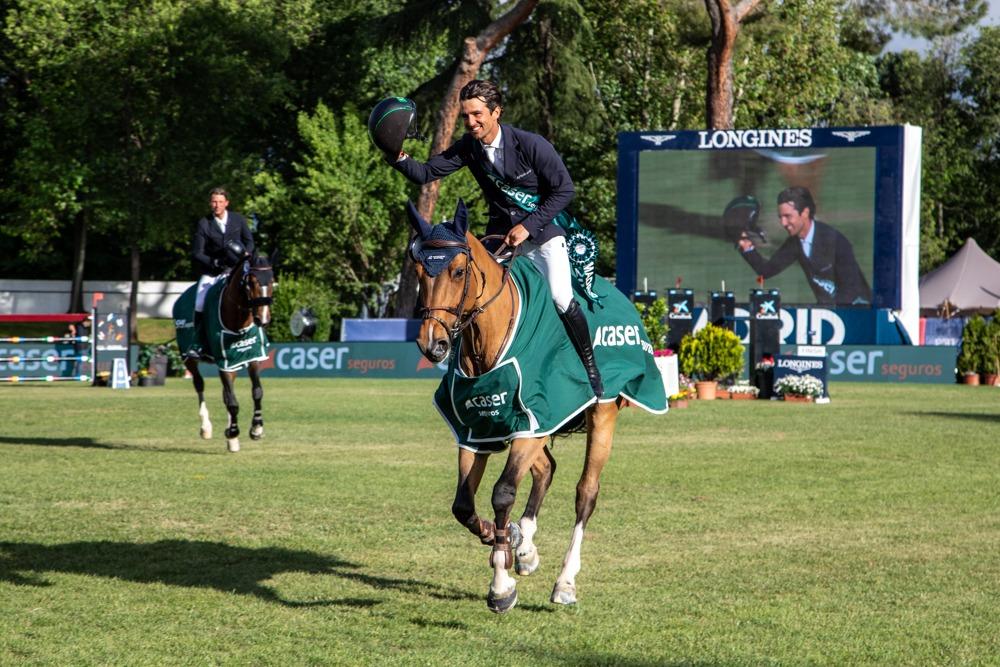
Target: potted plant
146 377
970 356
799 388
709 355
743 391
654 320
685 392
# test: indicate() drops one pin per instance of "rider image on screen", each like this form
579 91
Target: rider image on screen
824 253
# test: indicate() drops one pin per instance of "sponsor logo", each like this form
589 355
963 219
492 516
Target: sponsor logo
365 365
658 138
619 335
755 138
801 365
767 311
852 135
244 344
527 200
680 311
29 360
487 401
311 358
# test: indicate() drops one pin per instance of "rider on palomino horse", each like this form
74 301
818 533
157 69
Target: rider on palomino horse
523 179
220 242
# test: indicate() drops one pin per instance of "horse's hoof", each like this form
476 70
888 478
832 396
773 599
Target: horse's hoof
256 433
526 562
502 605
233 444
206 434
564 593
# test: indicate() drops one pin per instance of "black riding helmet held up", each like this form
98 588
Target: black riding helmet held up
390 122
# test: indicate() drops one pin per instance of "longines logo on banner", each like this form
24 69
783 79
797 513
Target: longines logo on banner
800 365
755 138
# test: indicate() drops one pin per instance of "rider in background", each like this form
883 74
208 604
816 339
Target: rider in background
221 240
526 185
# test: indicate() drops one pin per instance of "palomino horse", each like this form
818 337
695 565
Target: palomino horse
245 300
466 296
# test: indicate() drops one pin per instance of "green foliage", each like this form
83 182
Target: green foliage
654 320
792 69
971 356
712 353
990 358
292 293
175 363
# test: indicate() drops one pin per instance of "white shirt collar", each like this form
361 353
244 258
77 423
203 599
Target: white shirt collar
221 222
807 242
496 140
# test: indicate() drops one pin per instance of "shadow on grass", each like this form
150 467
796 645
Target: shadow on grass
90 443
991 417
197 564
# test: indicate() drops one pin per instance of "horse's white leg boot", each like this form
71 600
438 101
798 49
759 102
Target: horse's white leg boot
206 424
564 592
503 589
233 444
526 556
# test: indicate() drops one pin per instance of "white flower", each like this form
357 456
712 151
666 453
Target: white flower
799 385
743 388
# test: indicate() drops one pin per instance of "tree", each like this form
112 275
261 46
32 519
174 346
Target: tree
726 18
139 108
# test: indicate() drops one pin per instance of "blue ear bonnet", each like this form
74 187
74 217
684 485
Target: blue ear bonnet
434 259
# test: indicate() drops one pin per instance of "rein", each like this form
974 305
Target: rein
249 304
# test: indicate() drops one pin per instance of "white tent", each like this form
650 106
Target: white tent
969 281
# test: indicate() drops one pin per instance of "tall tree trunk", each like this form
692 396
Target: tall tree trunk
133 299
474 52
726 18
79 257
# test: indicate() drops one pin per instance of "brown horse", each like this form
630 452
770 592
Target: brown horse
465 294
245 300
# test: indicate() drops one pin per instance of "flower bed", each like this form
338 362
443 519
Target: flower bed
807 386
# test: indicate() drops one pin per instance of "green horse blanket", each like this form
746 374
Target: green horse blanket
539 383
232 350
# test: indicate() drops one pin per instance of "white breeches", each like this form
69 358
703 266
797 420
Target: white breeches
552 259
203 284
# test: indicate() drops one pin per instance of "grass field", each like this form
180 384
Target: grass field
866 531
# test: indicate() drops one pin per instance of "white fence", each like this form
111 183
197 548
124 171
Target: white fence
155 298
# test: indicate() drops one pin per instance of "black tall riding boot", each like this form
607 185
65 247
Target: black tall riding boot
202 334
579 334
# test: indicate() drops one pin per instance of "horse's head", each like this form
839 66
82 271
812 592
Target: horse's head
444 264
258 285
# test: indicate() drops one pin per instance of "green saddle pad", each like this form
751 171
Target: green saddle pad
232 350
539 384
